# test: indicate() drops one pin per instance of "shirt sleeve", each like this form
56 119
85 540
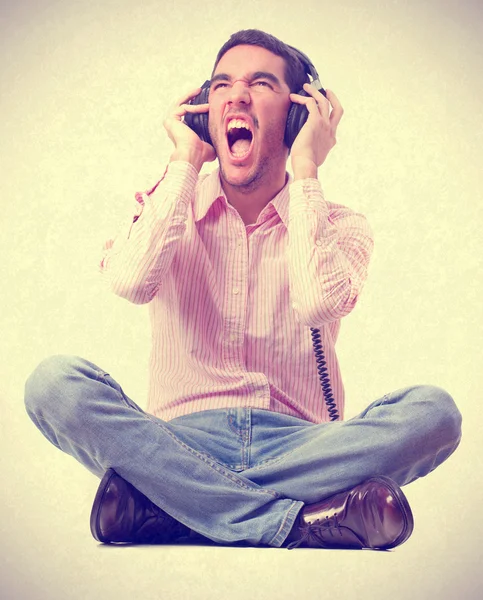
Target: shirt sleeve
136 261
328 255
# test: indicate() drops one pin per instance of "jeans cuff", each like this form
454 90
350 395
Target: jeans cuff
287 524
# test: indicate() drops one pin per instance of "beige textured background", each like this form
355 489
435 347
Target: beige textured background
84 87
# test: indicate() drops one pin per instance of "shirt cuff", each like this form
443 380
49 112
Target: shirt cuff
306 196
181 178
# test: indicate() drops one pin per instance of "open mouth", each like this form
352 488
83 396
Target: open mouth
239 137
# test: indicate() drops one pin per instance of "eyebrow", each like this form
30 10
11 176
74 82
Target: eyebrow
257 75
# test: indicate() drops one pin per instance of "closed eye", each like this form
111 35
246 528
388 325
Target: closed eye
259 83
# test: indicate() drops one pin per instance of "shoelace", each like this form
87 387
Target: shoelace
161 528
316 531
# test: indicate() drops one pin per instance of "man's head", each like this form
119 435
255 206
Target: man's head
295 75
249 99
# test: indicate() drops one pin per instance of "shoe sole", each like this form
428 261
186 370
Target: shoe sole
98 500
398 494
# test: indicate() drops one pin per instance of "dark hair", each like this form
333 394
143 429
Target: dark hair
295 75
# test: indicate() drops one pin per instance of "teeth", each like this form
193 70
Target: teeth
238 124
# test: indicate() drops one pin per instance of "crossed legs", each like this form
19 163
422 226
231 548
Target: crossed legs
239 474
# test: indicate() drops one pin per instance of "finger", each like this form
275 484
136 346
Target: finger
315 115
337 110
303 99
309 103
298 98
187 97
196 108
322 102
315 98
178 112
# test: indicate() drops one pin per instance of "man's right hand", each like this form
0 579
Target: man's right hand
187 145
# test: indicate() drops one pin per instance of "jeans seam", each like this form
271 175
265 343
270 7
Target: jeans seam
231 424
379 402
247 437
102 378
217 467
270 461
282 532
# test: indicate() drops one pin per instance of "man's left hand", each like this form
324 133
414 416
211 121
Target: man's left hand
317 136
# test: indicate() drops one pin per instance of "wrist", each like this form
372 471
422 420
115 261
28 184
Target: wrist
303 168
189 156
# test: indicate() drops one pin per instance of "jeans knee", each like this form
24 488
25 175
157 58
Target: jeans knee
443 413
46 381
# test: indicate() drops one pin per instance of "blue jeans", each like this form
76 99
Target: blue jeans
239 474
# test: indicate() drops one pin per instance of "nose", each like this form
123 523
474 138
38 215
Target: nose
239 92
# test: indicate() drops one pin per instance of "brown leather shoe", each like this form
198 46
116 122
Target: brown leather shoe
374 514
122 514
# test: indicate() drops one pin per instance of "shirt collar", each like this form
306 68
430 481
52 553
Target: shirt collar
210 190
281 201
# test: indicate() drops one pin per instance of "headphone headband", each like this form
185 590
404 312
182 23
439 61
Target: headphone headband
308 65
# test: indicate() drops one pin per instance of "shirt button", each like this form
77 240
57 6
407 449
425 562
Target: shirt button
318 242
236 290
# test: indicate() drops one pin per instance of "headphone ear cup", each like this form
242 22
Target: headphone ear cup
296 118
199 122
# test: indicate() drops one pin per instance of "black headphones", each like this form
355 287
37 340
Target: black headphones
297 115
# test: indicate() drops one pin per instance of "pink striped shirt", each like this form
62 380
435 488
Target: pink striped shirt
231 305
